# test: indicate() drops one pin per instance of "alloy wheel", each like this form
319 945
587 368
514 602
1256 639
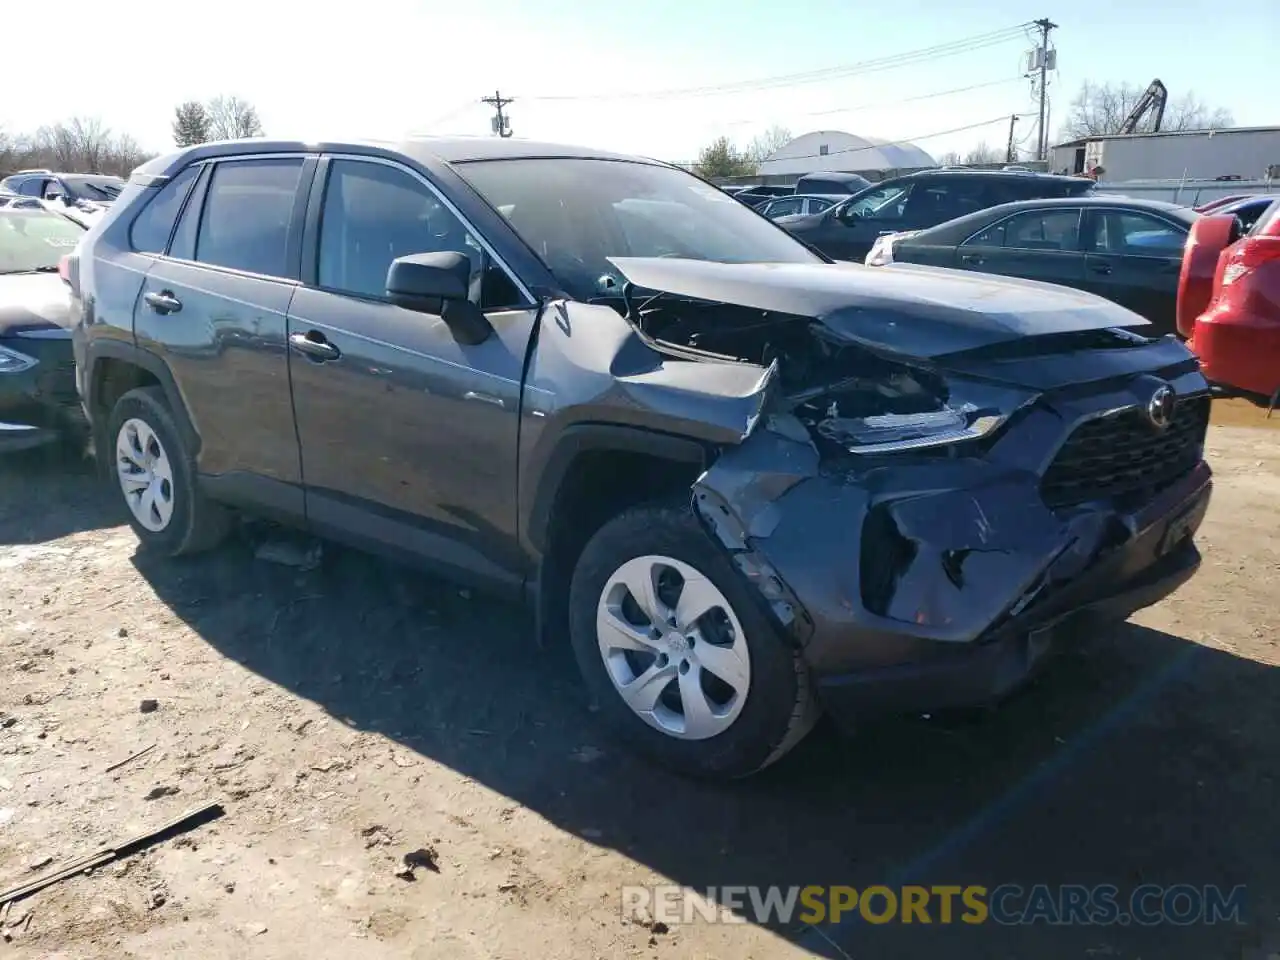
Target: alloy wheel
673 647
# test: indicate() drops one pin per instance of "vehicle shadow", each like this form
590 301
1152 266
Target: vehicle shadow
72 498
1148 741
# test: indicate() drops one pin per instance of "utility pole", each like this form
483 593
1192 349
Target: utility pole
1009 153
1045 25
501 122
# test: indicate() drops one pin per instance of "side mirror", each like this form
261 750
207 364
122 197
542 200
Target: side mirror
437 283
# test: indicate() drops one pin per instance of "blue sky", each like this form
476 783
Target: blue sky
383 68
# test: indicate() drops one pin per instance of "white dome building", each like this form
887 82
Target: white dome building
833 150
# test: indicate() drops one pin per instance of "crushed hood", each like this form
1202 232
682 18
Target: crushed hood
901 308
33 301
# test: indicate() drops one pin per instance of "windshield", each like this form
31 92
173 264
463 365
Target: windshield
95 188
32 240
576 213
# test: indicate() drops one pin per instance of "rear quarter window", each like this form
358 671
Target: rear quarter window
150 230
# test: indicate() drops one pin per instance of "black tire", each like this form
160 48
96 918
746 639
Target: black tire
779 708
197 523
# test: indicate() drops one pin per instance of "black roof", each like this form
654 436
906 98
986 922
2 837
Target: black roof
1101 200
999 174
446 149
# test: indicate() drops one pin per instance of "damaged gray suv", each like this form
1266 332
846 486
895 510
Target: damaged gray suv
748 485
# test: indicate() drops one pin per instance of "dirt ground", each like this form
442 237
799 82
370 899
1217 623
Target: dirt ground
350 714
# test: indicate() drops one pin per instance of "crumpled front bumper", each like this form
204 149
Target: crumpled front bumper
935 584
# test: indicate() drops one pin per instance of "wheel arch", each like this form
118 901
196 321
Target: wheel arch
591 473
114 368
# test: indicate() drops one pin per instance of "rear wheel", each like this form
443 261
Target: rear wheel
678 654
156 477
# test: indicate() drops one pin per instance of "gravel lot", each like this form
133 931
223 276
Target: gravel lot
353 713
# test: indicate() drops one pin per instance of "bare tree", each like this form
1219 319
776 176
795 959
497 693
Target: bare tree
984 153
949 159
231 118
1100 109
78 145
768 143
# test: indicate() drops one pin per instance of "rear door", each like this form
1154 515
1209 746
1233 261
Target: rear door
409 438
1134 258
214 307
935 200
1037 244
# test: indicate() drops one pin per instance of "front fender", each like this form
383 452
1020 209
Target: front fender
595 384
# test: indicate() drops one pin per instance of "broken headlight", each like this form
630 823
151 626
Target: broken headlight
914 419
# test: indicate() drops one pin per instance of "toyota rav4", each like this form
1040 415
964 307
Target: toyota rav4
747 484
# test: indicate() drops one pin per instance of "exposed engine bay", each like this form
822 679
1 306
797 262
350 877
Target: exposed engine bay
846 395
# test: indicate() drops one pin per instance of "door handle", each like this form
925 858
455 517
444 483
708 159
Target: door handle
314 346
163 302
1103 268
973 258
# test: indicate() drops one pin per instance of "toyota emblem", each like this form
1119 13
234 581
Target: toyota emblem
1160 407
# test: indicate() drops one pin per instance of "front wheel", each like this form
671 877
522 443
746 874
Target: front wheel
680 657
156 476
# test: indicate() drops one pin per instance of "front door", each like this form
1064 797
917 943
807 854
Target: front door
409 438
852 228
214 308
1134 259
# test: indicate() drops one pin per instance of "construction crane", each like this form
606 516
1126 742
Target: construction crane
1152 101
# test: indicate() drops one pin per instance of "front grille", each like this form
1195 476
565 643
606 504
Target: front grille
1124 457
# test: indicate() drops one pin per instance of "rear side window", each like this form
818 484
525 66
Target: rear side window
151 228
1054 230
245 225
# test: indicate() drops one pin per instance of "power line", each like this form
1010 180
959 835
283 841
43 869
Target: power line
952 48
890 103
446 117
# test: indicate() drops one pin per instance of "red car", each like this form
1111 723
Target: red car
1237 332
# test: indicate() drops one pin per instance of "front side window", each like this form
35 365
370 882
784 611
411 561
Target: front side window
247 210
1137 234
374 213
885 203
31 187
576 213
33 241
783 208
150 230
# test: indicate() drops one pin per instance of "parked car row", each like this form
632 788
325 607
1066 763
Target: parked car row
1158 259
1129 251
917 201
749 484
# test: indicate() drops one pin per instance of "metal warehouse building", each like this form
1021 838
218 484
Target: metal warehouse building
831 150
1247 153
